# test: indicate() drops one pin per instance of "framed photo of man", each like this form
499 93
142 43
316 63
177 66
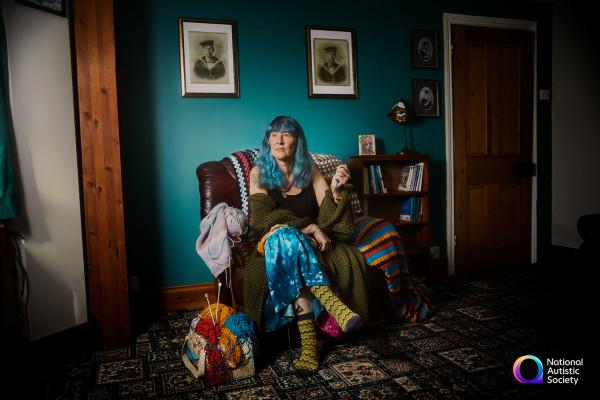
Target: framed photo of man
331 62
58 7
208 56
426 98
424 46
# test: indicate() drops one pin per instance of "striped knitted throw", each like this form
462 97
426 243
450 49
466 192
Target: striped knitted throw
244 160
380 244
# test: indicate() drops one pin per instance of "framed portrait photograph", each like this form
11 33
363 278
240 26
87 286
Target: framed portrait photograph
331 62
58 7
366 145
426 101
424 46
208 55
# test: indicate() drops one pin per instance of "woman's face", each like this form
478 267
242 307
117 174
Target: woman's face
283 145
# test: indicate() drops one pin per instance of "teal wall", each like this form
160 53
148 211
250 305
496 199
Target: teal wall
164 136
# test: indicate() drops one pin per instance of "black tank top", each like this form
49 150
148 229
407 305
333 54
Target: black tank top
303 204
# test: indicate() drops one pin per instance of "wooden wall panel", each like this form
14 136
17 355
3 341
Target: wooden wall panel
93 28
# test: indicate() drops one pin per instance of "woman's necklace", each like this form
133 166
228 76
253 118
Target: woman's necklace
284 192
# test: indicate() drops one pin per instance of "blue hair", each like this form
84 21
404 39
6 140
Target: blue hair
271 176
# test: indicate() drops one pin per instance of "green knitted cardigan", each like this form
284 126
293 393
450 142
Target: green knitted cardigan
345 264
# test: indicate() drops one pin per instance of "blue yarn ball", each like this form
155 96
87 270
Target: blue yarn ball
241 326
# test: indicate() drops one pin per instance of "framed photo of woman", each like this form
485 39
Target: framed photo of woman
208 57
331 62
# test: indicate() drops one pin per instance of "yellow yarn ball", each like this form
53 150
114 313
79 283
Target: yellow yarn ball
226 342
224 313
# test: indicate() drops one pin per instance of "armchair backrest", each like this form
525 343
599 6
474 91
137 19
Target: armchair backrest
228 180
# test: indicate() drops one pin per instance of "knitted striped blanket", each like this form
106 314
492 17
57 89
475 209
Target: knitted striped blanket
244 160
380 244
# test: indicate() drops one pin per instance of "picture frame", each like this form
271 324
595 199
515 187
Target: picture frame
58 7
208 58
426 102
366 145
331 62
424 45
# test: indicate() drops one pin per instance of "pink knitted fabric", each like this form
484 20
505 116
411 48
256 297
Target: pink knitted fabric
329 325
218 231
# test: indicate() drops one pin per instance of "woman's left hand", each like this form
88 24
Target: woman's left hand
319 239
340 178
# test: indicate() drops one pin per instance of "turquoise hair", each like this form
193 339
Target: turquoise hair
271 176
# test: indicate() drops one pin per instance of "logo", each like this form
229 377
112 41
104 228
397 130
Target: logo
539 377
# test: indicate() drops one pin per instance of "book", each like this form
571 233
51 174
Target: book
380 176
406 208
372 179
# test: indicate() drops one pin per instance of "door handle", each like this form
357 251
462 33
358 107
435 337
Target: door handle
526 169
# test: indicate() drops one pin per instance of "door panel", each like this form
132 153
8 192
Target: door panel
476 100
477 206
492 84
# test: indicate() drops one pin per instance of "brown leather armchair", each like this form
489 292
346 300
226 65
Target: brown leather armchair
218 183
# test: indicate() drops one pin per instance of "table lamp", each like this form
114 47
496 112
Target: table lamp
399 114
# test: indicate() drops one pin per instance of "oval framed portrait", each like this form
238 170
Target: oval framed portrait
424 49
426 100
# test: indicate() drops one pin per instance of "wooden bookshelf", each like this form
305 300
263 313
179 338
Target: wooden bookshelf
415 233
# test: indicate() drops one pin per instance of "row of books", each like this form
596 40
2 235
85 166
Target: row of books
411 209
375 182
411 177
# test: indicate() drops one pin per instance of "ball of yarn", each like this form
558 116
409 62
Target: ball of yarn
241 326
224 313
236 221
230 347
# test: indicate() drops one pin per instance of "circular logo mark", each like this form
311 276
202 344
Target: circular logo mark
539 377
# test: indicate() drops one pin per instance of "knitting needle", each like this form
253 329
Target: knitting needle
209 310
218 298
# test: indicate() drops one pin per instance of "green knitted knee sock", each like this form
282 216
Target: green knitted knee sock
308 363
345 317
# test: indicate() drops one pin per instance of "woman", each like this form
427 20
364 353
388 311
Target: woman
287 189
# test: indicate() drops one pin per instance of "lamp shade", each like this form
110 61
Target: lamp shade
399 113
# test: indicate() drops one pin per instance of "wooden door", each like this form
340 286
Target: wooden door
492 85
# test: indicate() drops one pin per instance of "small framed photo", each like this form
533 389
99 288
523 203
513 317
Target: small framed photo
426 98
366 145
424 49
208 56
58 7
331 62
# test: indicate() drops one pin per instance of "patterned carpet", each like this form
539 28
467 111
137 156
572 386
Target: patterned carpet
466 350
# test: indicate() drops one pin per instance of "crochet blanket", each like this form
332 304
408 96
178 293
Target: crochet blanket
244 160
380 244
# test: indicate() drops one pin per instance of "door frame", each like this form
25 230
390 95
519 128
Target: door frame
484 22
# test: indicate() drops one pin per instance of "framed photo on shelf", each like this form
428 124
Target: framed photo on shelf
208 56
58 7
331 62
424 46
426 98
366 145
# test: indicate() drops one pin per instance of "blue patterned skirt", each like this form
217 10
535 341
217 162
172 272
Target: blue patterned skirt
291 264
